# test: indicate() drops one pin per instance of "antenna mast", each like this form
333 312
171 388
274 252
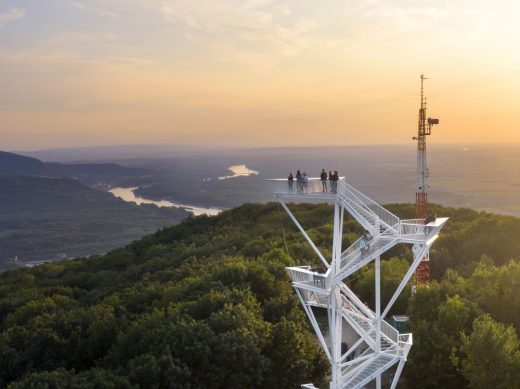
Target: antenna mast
422 275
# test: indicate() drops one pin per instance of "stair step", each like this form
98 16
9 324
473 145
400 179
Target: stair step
385 342
370 369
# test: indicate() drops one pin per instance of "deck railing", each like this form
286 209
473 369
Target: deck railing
311 185
405 344
413 226
305 276
362 203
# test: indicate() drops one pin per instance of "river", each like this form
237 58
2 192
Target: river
239 171
127 194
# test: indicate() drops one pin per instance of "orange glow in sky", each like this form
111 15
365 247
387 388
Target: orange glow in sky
256 72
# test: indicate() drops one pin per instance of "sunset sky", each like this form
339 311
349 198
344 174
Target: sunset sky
256 72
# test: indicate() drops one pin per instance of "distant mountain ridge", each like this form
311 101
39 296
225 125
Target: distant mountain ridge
118 152
34 193
88 173
47 211
21 165
44 217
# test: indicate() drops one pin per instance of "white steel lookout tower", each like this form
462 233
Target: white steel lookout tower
374 346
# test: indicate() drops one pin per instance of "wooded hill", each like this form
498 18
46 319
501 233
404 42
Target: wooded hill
45 214
207 303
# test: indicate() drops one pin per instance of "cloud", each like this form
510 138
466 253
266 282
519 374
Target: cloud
9 16
77 4
239 29
256 33
450 20
99 10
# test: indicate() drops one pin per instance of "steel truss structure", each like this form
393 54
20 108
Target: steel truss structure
424 129
374 346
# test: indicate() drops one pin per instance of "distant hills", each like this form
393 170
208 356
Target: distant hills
118 152
18 164
88 173
45 214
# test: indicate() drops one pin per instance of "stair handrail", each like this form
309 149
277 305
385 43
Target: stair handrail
349 306
355 247
381 241
389 331
351 373
350 194
369 377
383 214
360 211
350 249
357 302
386 328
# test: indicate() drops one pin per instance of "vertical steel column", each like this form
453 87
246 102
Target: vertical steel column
337 317
377 270
398 373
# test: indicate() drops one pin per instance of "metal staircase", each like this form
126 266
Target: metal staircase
376 365
354 258
378 346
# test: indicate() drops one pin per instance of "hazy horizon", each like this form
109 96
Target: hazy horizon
483 177
410 143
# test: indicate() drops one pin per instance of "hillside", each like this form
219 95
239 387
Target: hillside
94 174
91 174
44 217
207 303
20 165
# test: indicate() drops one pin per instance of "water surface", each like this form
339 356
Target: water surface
239 171
127 194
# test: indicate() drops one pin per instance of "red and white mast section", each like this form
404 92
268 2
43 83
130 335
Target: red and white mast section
422 275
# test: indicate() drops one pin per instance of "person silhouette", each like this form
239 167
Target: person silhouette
323 177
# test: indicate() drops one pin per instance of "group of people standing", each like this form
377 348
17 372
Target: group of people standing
333 178
302 181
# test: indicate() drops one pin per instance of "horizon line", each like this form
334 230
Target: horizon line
251 147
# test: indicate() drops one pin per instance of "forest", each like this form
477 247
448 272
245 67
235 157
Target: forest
51 210
42 218
207 303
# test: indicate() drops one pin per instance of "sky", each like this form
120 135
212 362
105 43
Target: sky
256 72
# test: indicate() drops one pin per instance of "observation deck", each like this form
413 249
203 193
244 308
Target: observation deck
379 346
310 190
386 229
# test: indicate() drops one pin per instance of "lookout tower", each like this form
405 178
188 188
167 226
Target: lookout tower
373 345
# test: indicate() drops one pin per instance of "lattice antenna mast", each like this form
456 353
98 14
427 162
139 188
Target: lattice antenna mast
422 276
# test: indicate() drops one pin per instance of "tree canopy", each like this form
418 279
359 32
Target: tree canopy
207 303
